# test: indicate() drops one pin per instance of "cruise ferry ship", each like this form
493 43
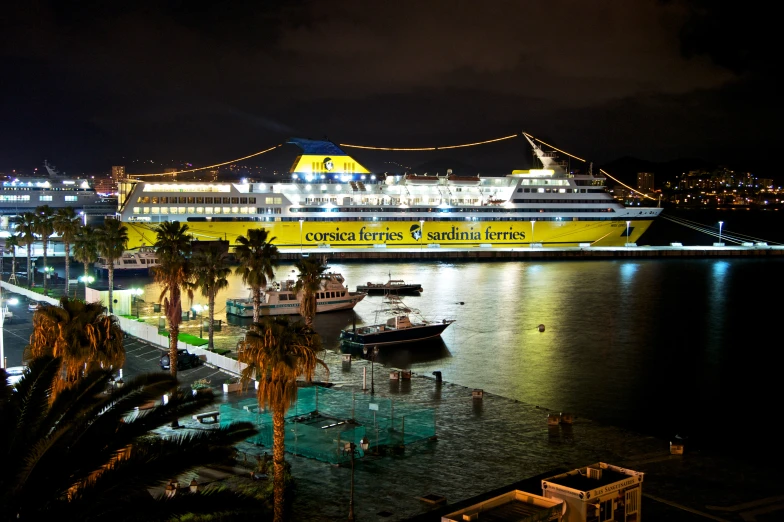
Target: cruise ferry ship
333 201
25 193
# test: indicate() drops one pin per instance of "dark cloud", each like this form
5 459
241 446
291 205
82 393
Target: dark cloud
87 84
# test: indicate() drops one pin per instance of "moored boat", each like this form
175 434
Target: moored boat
393 286
132 263
282 299
396 330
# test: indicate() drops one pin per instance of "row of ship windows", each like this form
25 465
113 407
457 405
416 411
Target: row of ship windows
559 191
190 200
409 211
39 189
206 210
6 198
447 219
321 210
319 295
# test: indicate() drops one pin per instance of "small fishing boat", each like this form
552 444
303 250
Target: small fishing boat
392 286
398 329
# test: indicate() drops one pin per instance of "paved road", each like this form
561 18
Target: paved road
141 357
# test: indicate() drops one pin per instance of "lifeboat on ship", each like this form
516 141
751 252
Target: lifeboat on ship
454 179
415 179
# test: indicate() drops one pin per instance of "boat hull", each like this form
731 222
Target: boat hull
381 289
123 272
397 234
385 337
244 307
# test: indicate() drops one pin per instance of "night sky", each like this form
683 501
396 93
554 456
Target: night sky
88 85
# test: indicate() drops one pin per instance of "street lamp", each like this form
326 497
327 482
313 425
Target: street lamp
135 292
199 309
301 221
720 224
5 314
627 232
86 279
352 450
532 232
372 357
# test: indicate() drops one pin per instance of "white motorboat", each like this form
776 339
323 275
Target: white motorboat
281 299
133 262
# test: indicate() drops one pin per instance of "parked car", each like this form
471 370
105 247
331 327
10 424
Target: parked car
185 360
32 306
15 374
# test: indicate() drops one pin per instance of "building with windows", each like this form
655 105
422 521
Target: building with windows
645 182
597 493
118 173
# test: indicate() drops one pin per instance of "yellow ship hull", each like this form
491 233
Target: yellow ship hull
412 234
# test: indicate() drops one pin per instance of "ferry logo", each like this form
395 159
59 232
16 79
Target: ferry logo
328 164
416 232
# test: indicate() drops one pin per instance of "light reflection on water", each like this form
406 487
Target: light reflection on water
653 344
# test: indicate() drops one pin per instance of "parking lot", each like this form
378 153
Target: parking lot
141 357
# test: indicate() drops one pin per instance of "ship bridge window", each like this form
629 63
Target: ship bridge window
129 262
208 201
199 201
541 190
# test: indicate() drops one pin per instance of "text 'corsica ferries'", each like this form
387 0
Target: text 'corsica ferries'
332 200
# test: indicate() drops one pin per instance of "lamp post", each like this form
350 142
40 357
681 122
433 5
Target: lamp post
532 231
86 279
301 221
135 293
352 450
199 309
372 356
720 224
627 232
4 314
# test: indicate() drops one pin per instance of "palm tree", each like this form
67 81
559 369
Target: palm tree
311 274
44 227
276 352
80 335
82 456
258 259
210 276
112 242
86 247
12 242
25 227
66 223
173 246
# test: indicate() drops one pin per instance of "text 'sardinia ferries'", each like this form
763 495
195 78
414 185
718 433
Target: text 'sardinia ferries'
332 200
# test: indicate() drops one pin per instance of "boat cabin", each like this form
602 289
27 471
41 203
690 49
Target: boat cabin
399 322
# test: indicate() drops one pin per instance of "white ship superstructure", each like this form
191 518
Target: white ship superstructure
332 200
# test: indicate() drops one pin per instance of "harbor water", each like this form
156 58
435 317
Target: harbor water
664 347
